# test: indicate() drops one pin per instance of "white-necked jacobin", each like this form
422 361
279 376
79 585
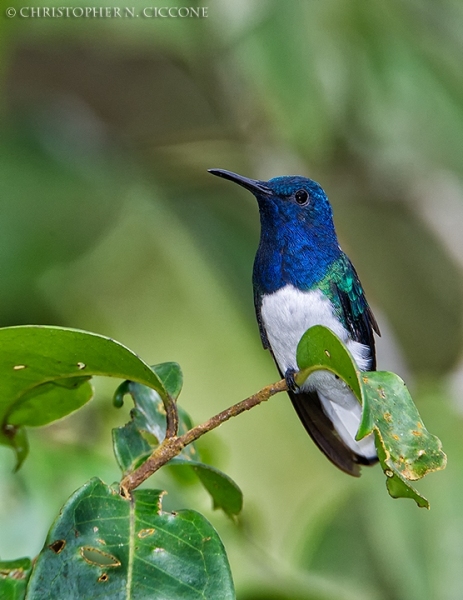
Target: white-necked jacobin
302 278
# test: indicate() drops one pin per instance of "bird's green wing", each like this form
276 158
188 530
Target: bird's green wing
343 287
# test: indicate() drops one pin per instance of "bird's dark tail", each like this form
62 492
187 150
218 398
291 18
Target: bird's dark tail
322 431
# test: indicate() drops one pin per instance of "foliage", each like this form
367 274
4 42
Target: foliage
112 541
106 546
45 373
137 440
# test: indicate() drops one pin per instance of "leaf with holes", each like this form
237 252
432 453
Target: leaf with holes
105 546
134 442
45 372
406 450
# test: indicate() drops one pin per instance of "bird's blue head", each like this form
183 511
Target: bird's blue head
291 204
297 230
292 201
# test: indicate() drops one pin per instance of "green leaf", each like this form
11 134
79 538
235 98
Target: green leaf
130 447
406 450
319 348
171 376
105 546
148 423
14 575
59 399
224 491
134 442
44 373
412 450
397 485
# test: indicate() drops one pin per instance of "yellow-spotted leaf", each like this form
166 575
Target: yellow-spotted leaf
406 450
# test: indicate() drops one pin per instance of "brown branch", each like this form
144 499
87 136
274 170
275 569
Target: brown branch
171 416
172 446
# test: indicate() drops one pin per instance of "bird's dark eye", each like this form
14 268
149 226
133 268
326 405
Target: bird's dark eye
302 197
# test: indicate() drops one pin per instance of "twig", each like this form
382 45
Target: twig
171 446
171 416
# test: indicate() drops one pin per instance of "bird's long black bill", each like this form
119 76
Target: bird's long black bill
253 185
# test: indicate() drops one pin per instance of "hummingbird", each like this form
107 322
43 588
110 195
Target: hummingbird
302 278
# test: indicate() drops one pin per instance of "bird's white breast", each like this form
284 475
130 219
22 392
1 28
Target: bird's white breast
286 316
289 312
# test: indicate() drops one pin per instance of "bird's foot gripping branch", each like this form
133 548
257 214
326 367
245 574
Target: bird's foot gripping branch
109 538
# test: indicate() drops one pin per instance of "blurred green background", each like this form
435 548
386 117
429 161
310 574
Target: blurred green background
109 222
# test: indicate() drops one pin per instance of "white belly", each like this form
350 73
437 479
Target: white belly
286 315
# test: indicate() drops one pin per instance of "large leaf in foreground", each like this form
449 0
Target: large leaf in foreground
406 450
105 546
136 441
44 373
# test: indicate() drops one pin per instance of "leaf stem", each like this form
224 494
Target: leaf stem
172 445
171 416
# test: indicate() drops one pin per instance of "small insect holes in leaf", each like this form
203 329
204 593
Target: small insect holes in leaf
97 557
57 546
